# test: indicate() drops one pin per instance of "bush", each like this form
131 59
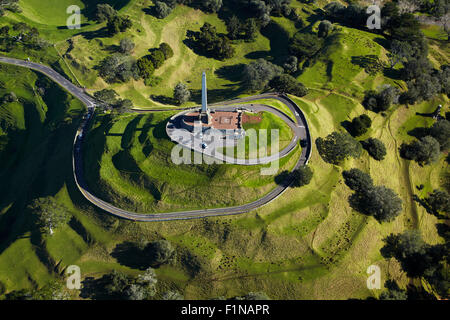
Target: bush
301 176
152 81
209 42
337 147
375 148
118 24
157 57
146 67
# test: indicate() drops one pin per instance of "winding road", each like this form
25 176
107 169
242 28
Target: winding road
300 128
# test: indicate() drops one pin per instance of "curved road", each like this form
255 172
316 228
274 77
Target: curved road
302 133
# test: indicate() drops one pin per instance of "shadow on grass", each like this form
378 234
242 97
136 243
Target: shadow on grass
130 255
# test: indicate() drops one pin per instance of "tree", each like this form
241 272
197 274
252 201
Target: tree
393 292
380 202
423 151
440 130
166 50
104 12
325 27
400 51
106 95
118 24
212 5
416 257
439 202
285 83
360 125
357 180
257 74
159 252
250 29
211 43
146 67
126 46
305 45
380 101
51 214
162 10
337 147
234 27
291 64
181 93
375 148
172 295
302 176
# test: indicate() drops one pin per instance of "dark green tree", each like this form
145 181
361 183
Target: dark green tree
423 151
375 148
285 83
337 147
305 45
181 93
301 176
357 180
439 202
104 12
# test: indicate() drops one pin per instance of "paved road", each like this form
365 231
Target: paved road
77 158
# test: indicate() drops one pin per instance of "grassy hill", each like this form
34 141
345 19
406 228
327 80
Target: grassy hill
308 244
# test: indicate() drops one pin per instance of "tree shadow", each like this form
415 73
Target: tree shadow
164 100
90 35
130 255
231 72
419 132
283 179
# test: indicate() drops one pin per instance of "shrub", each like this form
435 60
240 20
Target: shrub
152 81
157 57
146 67
439 202
159 252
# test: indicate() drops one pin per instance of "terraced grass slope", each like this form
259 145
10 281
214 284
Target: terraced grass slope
128 162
